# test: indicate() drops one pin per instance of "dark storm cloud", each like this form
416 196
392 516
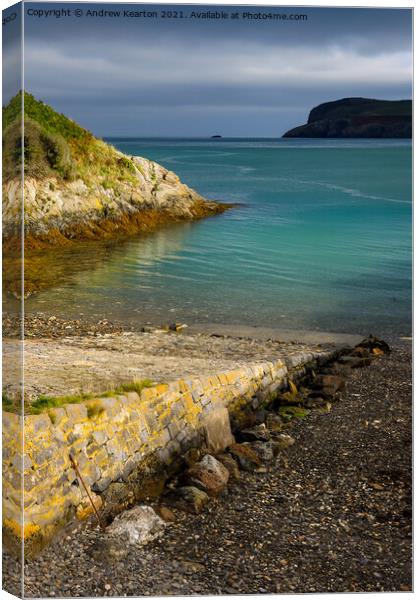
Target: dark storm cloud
159 77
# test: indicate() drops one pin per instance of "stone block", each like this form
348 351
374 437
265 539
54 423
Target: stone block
173 429
76 412
144 436
11 422
36 424
164 437
151 421
111 406
115 450
102 484
133 398
59 436
161 388
57 416
128 468
22 463
217 430
148 394
100 436
42 455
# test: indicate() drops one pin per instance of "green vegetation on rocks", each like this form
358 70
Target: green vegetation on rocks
54 145
44 402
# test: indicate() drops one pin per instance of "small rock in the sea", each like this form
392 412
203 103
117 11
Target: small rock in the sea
139 525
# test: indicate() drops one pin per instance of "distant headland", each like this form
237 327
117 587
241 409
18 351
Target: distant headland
357 118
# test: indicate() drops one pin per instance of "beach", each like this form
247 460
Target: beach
331 514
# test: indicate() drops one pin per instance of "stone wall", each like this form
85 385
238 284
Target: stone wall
111 438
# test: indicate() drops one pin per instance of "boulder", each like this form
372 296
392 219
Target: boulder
372 342
274 422
315 402
360 351
117 497
230 464
188 498
284 440
209 475
139 525
264 450
330 384
355 362
246 457
257 433
166 514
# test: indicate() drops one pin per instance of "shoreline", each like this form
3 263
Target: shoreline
75 358
331 514
80 358
45 325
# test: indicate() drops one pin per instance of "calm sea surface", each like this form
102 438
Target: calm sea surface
321 239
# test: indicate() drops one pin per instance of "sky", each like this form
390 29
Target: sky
132 76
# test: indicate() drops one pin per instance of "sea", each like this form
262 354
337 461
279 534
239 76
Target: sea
320 238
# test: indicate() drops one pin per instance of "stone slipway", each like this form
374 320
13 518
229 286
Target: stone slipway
113 439
98 363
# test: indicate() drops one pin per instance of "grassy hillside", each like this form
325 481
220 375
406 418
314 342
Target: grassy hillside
54 145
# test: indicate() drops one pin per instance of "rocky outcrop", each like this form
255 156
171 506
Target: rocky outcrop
72 209
79 187
357 118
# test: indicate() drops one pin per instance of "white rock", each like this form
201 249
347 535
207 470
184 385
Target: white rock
139 525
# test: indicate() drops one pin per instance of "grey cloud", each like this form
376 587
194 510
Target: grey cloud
177 79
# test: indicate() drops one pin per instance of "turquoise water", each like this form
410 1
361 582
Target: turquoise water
321 239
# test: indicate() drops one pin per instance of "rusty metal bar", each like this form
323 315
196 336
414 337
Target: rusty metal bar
73 462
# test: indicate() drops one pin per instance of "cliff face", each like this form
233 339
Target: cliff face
357 118
79 187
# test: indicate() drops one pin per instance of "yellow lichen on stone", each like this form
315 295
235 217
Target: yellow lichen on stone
21 532
85 508
162 388
148 394
192 409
